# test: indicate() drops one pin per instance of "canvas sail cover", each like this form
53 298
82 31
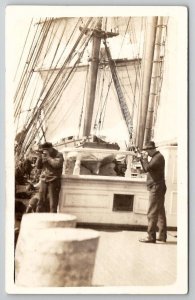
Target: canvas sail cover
108 122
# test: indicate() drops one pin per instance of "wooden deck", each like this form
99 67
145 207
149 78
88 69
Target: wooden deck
123 261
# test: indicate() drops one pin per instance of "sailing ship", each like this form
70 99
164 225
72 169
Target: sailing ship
92 87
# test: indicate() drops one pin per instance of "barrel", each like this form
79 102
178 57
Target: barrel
32 223
59 257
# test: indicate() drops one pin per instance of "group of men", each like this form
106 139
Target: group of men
50 161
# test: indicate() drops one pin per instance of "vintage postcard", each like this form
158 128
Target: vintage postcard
96 150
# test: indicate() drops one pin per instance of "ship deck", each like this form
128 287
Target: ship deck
122 260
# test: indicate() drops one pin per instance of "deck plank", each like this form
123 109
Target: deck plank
122 260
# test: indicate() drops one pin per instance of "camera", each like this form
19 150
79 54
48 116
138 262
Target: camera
44 154
39 151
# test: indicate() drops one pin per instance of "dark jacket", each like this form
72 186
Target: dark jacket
52 168
155 169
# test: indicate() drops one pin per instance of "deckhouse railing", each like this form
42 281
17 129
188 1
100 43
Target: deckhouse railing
80 156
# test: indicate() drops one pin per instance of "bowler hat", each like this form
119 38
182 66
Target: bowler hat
149 145
46 145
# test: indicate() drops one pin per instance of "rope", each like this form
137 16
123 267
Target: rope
65 82
29 58
37 80
27 79
101 100
81 114
24 69
45 54
138 83
68 41
101 118
30 72
124 36
60 71
161 68
23 49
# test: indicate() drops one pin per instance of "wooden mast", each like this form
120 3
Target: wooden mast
154 81
98 34
147 73
93 79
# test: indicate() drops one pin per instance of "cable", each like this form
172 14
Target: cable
23 49
60 71
29 75
81 114
23 78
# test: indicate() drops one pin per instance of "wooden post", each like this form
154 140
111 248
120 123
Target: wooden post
65 154
77 166
93 80
98 34
147 73
129 161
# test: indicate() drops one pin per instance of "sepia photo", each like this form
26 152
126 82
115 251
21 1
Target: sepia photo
96 150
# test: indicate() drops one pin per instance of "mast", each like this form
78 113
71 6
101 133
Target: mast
147 73
93 79
98 34
156 75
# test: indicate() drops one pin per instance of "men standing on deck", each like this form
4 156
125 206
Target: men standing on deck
157 189
51 163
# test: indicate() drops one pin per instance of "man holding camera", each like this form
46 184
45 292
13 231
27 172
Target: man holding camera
157 189
51 163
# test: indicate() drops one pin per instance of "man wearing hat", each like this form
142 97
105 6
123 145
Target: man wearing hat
157 189
51 163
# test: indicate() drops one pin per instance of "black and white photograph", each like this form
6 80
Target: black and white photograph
96 150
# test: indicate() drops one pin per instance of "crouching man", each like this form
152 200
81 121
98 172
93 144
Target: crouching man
50 161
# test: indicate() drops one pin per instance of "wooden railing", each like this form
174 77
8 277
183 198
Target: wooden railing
81 152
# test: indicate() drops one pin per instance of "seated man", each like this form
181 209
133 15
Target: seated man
50 161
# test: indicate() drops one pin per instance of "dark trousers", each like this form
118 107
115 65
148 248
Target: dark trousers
49 196
156 212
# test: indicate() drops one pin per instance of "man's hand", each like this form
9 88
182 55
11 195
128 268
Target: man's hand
45 155
138 155
144 155
38 154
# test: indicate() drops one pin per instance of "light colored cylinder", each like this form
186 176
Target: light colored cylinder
32 224
59 257
46 220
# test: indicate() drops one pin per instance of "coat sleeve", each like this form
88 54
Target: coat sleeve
56 162
145 164
154 164
39 163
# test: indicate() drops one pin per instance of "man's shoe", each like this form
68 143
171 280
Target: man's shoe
161 240
146 240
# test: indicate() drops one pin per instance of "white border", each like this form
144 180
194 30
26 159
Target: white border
180 287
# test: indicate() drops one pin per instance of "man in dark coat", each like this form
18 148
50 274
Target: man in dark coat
157 189
51 163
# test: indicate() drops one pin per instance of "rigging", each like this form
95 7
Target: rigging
59 73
